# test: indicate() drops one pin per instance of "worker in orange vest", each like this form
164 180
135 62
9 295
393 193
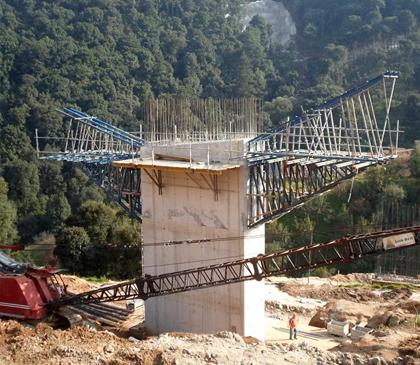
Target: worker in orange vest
293 326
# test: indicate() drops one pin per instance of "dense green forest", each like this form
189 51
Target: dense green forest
107 56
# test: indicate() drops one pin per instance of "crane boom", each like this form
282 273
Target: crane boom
343 250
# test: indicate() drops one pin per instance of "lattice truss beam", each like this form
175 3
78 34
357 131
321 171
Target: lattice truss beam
312 153
92 140
344 250
121 184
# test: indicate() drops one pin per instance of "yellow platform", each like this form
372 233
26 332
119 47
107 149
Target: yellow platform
179 165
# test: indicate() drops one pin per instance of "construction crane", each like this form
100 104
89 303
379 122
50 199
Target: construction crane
341 251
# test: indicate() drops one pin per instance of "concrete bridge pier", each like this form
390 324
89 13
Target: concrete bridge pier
184 200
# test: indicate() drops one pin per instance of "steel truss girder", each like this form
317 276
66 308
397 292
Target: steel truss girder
128 190
276 187
88 157
121 184
100 174
343 250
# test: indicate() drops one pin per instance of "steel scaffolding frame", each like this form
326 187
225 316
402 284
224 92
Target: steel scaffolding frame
312 153
296 161
92 140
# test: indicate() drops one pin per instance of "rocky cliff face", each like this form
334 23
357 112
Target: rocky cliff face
276 15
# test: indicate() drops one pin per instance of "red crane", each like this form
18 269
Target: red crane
31 293
343 250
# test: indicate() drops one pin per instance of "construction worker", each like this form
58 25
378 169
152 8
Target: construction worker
293 326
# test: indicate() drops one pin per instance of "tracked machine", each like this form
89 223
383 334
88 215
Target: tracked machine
25 290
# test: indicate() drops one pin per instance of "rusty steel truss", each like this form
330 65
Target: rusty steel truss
127 190
276 187
343 250
121 184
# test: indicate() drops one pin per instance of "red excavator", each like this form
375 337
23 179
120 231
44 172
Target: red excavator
25 290
31 293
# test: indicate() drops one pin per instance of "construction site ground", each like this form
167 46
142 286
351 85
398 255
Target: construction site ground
390 311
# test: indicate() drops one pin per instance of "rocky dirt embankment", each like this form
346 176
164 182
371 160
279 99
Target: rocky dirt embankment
23 345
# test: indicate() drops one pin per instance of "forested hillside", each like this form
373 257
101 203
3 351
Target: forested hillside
107 56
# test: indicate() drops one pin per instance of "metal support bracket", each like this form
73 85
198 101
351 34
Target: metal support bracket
194 180
213 183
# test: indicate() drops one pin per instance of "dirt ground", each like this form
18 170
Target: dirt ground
391 313
25 345
75 284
